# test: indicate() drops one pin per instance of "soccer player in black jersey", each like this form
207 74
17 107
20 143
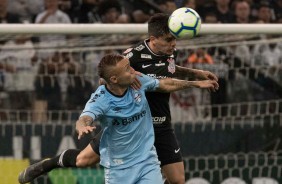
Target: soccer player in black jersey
154 57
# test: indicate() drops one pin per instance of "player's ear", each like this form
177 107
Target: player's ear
114 79
152 39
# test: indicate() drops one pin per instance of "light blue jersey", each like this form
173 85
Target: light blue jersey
128 136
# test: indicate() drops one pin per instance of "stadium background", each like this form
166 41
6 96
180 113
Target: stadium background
46 80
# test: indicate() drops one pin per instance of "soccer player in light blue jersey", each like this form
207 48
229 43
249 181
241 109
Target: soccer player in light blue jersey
127 143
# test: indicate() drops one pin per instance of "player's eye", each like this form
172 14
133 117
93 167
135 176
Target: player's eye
170 39
128 68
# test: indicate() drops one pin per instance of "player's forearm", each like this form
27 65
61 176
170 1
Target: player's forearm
170 85
84 121
184 73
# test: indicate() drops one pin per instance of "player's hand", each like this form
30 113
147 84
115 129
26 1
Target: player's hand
206 75
211 85
136 84
82 130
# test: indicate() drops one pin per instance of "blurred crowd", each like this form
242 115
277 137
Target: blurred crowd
46 79
137 11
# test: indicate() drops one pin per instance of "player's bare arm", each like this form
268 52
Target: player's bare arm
83 126
194 74
170 85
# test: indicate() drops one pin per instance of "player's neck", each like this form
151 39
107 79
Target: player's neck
117 89
153 49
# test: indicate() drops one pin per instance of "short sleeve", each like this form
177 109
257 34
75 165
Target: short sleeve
94 107
148 83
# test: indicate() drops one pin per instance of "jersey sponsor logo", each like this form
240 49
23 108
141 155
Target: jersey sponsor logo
146 56
171 66
161 77
129 55
159 64
156 77
139 48
127 50
126 121
158 120
145 66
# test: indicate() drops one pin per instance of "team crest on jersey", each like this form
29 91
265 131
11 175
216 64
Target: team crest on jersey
171 66
137 97
146 56
139 48
127 50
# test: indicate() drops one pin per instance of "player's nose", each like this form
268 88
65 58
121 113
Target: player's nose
173 43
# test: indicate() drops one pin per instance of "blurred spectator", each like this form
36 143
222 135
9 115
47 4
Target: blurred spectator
278 9
5 16
189 4
204 6
26 9
170 6
279 20
71 8
16 56
110 12
166 6
88 11
210 18
138 16
79 88
267 54
140 11
47 88
265 12
200 56
51 15
222 11
241 52
242 12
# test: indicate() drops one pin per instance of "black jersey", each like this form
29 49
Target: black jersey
142 59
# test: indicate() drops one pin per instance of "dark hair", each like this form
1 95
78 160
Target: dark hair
107 62
264 4
106 5
158 25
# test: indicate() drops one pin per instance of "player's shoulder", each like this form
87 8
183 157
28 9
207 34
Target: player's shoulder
99 95
136 51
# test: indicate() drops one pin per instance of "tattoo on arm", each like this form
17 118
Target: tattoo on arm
170 85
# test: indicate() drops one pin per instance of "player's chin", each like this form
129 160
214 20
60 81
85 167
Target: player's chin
132 79
170 52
